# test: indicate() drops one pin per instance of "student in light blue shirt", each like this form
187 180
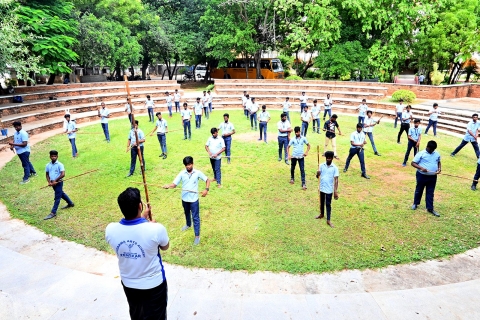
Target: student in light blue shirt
71 130
55 171
414 137
162 129
328 175
428 165
476 176
357 141
298 156
132 146
470 136
405 125
104 114
189 180
215 146
20 143
433 119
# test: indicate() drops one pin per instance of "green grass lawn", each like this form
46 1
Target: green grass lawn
258 221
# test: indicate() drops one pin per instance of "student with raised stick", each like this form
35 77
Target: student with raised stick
55 171
328 177
228 129
162 129
414 137
150 105
186 117
132 145
306 117
104 114
215 147
20 144
470 136
407 116
137 244
264 118
189 180
298 156
428 165
433 119
357 141
284 129
330 136
368 129
70 130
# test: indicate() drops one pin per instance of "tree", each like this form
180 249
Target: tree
344 59
53 27
14 39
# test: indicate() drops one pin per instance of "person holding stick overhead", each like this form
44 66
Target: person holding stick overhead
264 118
189 180
186 117
328 184
470 136
476 176
55 171
428 165
162 129
71 129
215 146
284 129
132 146
22 149
330 135
104 114
137 243
368 125
228 129
414 137
298 155
357 140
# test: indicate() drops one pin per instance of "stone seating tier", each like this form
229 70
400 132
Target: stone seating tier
295 94
342 86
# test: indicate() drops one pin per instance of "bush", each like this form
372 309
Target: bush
293 77
436 76
313 74
406 95
210 87
287 61
286 73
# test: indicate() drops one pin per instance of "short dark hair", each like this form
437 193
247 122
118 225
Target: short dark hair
66 116
315 101
473 115
416 121
432 145
287 98
136 122
359 125
226 115
53 152
148 96
16 123
248 96
364 100
158 113
369 111
128 202
185 104
198 98
213 130
435 104
283 115
204 91
296 129
334 116
264 107
329 154
306 107
401 100
187 160
408 106
252 98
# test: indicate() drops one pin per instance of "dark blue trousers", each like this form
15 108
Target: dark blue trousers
359 153
430 124
198 121
162 139
463 144
59 194
301 164
427 182
304 128
192 208
26 164
105 131
263 128
326 201
411 144
186 126
133 158
228 146
217 171
74 147
282 143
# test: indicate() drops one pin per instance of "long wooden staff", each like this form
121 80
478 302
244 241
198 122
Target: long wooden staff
78 175
139 151
156 185
453 176
318 167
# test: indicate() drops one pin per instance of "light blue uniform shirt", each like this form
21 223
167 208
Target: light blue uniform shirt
104 114
19 137
215 145
434 115
428 161
473 127
133 139
478 161
297 144
415 133
406 115
189 182
70 127
327 175
357 138
54 169
284 126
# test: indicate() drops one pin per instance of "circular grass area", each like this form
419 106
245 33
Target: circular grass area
258 221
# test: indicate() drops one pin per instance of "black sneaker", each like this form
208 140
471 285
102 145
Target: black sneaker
435 213
377 154
33 174
474 188
364 175
50 216
160 156
164 156
69 206
344 170
129 175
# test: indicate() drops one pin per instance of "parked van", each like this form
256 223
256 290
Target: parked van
201 71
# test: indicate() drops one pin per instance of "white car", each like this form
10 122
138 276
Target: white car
201 71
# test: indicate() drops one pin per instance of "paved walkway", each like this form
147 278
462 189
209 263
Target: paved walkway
44 277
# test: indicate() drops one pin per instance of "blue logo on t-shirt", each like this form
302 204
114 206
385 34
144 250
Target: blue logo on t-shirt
135 251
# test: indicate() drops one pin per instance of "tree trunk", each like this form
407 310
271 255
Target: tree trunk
174 69
258 64
145 64
194 73
247 60
451 73
51 79
167 64
31 75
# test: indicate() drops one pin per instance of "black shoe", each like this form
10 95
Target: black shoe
435 213
473 188
452 155
69 206
164 156
129 175
377 154
33 174
414 207
50 216
161 155
364 175
345 170
286 162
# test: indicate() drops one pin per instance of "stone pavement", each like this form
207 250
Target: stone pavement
44 277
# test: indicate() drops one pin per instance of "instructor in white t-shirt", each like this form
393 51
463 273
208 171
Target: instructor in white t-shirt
136 242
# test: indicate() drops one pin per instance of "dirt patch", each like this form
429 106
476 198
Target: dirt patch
248 137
